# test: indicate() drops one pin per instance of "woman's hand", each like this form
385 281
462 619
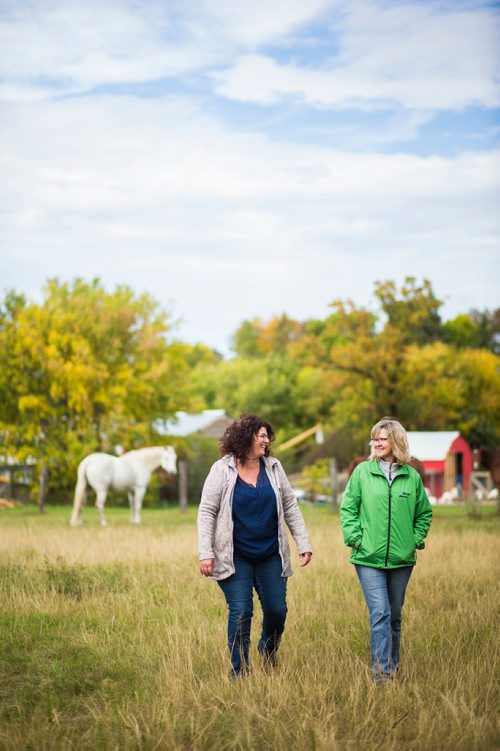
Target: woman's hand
304 558
207 567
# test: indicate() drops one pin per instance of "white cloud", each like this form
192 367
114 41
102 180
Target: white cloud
65 47
253 23
56 48
415 55
225 221
412 56
111 154
227 225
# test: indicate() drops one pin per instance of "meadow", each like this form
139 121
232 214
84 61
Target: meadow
110 639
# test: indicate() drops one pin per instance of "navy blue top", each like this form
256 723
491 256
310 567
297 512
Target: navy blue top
255 518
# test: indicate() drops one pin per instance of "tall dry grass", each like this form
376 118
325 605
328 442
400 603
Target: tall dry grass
112 640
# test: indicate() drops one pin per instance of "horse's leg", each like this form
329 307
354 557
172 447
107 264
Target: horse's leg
131 503
99 503
138 496
79 502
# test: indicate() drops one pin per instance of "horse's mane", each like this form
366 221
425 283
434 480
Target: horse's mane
144 450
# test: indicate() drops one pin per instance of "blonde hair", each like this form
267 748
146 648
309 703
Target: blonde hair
397 438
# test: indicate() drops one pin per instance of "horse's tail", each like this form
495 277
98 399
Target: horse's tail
80 492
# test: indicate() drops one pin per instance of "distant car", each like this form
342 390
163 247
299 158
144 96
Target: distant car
321 500
300 495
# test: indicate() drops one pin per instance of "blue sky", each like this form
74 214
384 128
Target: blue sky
244 158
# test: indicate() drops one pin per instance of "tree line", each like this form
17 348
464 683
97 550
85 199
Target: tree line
87 369
357 364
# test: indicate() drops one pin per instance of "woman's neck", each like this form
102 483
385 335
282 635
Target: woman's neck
250 461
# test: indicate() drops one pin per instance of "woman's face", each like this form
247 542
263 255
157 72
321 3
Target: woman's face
259 445
382 446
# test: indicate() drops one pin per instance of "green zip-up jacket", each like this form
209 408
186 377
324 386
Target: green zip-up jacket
385 524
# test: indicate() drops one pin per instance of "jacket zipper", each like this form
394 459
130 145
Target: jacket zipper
277 492
232 522
389 520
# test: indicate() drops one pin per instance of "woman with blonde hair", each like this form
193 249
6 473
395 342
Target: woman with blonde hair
385 516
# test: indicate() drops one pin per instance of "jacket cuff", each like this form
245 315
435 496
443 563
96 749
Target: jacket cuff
419 543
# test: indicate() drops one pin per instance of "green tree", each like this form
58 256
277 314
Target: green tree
257 339
475 329
315 479
266 387
86 370
367 365
431 386
347 324
351 368
245 340
371 363
479 418
412 311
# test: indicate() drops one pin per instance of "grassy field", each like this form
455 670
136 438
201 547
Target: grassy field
110 639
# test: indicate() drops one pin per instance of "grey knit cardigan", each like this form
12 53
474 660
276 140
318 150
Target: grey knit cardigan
215 518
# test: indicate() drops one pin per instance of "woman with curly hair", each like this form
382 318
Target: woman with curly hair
245 504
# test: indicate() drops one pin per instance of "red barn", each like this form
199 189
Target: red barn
447 459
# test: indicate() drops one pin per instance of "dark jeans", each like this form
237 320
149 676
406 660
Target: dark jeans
384 590
270 586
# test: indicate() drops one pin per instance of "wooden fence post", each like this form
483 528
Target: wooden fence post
10 486
334 483
44 477
183 484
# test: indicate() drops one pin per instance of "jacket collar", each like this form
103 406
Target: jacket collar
376 470
230 461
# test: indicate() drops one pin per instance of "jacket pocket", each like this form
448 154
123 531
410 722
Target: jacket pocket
358 545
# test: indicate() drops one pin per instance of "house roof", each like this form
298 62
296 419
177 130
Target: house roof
431 445
185 424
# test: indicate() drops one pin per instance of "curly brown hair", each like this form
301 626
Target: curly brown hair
238 437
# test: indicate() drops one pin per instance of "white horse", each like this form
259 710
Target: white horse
129 472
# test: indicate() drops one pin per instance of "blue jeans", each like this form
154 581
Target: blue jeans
384 590
270 586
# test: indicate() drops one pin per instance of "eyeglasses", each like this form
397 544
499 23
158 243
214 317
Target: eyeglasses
380 440
262 436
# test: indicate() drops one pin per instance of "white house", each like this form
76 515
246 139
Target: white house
210 422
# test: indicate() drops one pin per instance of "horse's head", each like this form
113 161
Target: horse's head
476 459
169 460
